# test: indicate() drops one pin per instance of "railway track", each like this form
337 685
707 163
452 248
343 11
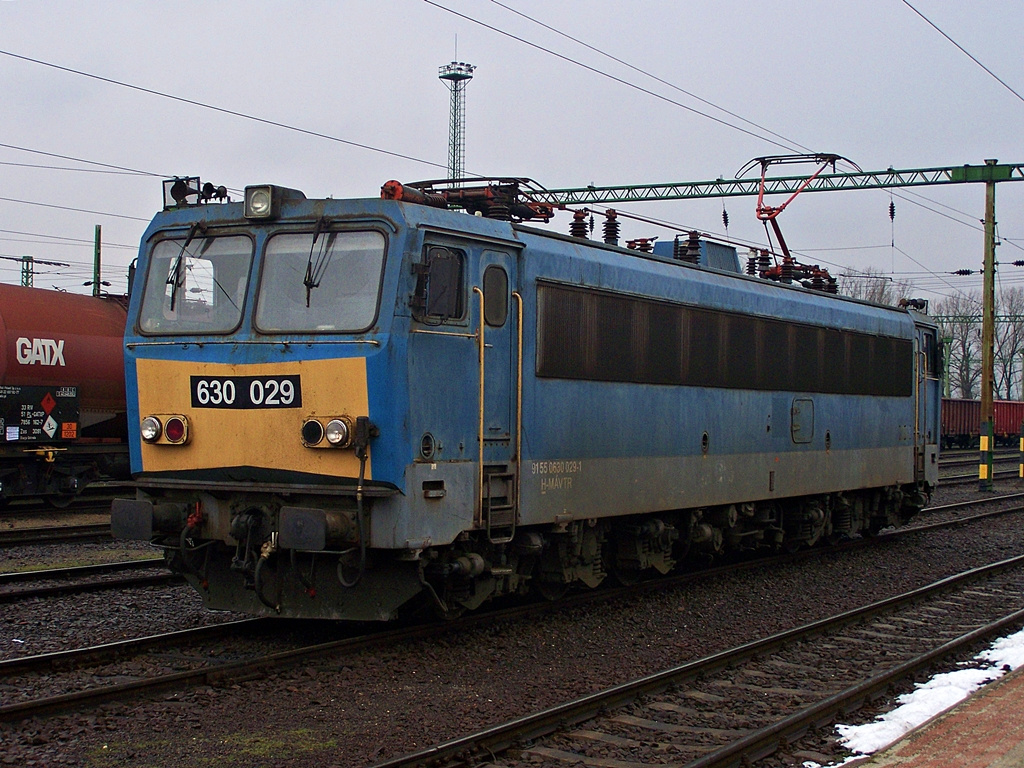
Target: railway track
203 668
959 506
742 705
239 662
972 461
60 534
106 653
83 578
97 496
973 478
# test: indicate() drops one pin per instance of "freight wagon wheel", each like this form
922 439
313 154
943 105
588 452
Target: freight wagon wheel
59 500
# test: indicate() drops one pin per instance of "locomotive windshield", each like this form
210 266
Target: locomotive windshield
322 281
196 285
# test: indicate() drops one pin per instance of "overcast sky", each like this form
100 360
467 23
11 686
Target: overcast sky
868 80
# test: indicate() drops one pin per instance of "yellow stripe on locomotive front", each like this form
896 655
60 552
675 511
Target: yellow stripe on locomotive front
253 437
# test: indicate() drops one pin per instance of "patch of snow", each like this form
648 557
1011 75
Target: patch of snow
930 699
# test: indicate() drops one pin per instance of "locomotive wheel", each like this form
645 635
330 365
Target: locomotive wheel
552 590
628 577
449 612
792 545
833 538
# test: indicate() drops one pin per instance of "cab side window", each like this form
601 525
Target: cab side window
439 285
932 356
495 296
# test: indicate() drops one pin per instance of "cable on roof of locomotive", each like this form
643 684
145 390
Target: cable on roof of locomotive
498 197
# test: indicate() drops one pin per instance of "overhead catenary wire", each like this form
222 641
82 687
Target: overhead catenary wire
657 95
654 77
70 240
81 160
71 208
695 96
270 122
964 51
609 76
222 110
38 166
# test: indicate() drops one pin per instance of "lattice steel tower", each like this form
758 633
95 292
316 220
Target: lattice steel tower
457 75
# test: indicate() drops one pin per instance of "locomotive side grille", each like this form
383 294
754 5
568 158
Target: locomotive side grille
603 336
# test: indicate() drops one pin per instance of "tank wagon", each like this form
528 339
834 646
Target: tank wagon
961 422
62 392
348 408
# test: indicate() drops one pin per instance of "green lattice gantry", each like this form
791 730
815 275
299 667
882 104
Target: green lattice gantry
889 178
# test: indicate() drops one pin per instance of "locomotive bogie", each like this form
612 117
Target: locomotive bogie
482 409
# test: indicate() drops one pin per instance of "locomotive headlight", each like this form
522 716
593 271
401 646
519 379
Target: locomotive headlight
259 202
337 432
150 429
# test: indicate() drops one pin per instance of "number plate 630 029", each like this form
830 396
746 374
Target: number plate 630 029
246 392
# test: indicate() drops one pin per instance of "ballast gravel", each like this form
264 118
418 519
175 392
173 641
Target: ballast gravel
360 709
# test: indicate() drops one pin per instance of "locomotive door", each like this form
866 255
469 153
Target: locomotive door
498 308
928 402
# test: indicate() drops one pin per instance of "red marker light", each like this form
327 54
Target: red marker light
174 430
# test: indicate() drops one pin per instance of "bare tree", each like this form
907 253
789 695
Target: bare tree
873 285
960 328
1009 342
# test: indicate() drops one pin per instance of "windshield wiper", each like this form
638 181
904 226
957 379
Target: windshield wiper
176 277
314 272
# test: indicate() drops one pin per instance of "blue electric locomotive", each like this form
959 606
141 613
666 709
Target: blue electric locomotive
342 408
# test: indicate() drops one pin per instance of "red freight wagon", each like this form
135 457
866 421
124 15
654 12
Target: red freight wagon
1007 418
961 422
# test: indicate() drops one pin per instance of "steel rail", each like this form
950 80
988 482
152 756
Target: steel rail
972 503
999 458
766 741
106 652
214 674
967 479
489 741
74 571
52 535
93 585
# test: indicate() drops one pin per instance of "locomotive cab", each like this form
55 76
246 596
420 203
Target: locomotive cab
274 437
